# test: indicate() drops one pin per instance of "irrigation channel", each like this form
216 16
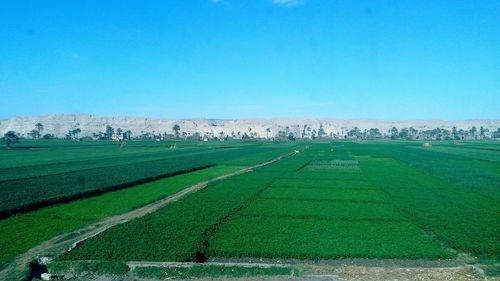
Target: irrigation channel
21 267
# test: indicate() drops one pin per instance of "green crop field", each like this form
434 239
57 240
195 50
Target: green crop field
375 200
47 173
31 228
332 200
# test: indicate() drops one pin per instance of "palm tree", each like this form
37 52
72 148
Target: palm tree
413 132
109 132
39 127
76 132
268 130
393 132
473 131
128 134
482 132
321 132
304 131
176 128
9 138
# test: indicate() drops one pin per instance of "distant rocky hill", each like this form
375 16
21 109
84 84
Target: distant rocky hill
59 125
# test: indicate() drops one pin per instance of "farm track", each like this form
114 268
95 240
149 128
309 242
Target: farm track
18 268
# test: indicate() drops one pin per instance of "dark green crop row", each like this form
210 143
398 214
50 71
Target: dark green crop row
32 193
30 153
91 161
51 160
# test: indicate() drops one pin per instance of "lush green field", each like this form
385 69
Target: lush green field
185 224
23 231
344 222
333 200
43 173
458 203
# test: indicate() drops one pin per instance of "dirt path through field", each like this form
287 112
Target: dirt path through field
19 269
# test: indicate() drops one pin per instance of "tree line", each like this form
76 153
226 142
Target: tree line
432 134
394 133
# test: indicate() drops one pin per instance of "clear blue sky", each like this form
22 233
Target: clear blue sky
261 58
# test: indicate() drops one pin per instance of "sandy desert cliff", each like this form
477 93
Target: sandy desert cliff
59 125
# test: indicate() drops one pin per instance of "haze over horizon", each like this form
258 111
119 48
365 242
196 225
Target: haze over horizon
232 59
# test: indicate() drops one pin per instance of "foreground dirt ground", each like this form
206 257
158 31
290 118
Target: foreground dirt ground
463 267
348 273
361 273
384 273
